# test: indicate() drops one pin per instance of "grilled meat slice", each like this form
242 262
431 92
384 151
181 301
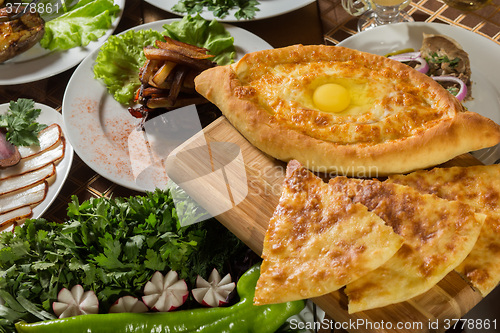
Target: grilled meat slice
19 35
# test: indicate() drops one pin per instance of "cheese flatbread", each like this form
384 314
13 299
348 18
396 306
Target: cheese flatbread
318 241
438 235
478 186
390 118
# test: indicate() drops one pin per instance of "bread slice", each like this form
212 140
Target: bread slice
479 187
438 235
318 241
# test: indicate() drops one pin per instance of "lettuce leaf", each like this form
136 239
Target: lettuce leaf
211 35
86 22
121 57
55 9
119 60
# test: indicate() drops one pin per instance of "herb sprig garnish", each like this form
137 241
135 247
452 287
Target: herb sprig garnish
245 9
20 123
437 59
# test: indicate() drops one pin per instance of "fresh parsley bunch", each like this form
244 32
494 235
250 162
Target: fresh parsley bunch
110 246
245 9
20 123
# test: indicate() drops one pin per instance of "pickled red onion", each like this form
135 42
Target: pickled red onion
463 87
423 66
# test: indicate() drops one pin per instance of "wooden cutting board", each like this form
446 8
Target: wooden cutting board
251 187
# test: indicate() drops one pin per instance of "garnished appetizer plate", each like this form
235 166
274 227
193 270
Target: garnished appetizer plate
52 149
482 52
267 9
102 131
38 63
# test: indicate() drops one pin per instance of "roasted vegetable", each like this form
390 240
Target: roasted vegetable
167 77
241 317
19 35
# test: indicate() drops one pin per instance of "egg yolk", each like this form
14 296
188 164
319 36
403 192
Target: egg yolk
331 97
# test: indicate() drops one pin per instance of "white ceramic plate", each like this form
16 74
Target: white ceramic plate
267 9
38 63
50 116
99 127
483 55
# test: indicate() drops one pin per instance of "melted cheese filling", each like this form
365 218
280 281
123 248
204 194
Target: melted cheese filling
383 104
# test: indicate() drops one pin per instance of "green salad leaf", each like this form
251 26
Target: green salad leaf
119 60
121 57
54 9
86 22
110 246
20 123
207 34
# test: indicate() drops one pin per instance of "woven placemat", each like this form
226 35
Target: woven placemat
338 25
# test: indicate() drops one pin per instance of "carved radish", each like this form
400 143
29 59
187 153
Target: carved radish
128 304
165 293
215 291
75 302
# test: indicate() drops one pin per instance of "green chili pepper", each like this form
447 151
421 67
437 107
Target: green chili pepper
241 317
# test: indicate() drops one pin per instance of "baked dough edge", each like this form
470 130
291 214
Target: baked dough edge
450 137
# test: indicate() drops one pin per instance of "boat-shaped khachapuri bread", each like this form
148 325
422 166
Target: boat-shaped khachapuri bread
336 109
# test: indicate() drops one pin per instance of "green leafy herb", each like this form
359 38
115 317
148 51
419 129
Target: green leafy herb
211 35
20 123
110 246
437 59
245 9
453 90
86 22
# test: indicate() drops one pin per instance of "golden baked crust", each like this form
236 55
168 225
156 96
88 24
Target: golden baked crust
318 241
18 36
438 235
479 187
399 119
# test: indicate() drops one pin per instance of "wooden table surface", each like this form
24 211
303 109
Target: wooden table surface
323 21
